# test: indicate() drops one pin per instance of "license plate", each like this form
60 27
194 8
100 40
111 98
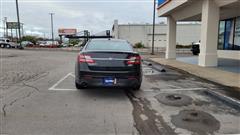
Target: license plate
109 81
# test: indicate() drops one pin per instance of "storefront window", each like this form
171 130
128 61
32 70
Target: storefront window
221 35
228 41
237 35
229 34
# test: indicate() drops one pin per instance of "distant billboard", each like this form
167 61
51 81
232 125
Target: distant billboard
13 25
64 32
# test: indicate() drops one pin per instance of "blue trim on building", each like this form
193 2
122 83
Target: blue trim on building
160 2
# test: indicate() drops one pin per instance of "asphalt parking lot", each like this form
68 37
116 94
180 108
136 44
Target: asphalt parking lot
38 97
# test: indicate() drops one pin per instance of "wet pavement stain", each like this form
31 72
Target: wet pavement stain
155 89
196 121
164 77
9 56
153 124
174 99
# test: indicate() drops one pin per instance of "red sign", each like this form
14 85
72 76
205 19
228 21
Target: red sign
67 31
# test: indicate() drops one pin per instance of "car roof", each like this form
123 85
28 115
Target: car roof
110 39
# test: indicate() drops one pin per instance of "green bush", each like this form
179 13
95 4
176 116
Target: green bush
32 39
139 45
74 41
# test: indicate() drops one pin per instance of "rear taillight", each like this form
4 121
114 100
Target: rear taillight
83 58
134 60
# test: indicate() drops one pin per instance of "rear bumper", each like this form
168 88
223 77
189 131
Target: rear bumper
97 79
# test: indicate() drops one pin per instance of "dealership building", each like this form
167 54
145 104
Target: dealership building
220 27
135 33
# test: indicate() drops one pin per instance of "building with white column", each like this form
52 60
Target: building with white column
136 33
220 27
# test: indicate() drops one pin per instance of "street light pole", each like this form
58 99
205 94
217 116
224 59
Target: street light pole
51 14
153 30
19 25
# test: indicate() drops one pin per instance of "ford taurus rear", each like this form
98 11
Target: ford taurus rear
108 63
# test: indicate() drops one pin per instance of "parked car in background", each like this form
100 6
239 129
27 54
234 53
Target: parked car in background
27 44
64 45
41 43
5 43
52 43
195 48
48 44
108 63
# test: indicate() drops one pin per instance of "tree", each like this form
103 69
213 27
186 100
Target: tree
32 39
74 41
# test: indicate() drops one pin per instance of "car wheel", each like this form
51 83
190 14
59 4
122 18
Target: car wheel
195 53
8 46
79 86
2 45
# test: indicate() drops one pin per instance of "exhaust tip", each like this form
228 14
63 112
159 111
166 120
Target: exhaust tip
84 84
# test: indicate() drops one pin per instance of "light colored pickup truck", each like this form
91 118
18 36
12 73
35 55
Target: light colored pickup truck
5 43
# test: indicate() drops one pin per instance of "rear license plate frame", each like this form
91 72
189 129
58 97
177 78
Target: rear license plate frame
109 81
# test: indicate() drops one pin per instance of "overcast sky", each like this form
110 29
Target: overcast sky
94 15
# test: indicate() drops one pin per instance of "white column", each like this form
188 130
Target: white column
209 34
171 38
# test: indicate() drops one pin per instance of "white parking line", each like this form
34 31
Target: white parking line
146 90
58 82
72 75
57 89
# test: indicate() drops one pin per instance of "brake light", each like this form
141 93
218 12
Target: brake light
82 58
134 60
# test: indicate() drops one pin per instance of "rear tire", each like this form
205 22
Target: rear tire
137 87
79 86
194 53
8 46
2 45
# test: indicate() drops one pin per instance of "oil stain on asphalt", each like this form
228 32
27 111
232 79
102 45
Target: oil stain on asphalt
151 124
196 121
174 99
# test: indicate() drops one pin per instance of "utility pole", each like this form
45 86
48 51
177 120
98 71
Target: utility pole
22 30
19 25
153 30
51 14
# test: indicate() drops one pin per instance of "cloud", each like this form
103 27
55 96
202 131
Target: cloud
94 15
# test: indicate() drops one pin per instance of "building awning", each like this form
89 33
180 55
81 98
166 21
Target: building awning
191 10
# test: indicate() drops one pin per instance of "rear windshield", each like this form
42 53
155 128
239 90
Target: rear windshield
106 45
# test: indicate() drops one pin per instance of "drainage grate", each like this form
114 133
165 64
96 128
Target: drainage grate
174 99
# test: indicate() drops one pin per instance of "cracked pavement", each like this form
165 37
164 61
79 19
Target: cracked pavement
28 107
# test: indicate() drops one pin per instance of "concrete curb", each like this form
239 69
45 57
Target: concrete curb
211 74
228 100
